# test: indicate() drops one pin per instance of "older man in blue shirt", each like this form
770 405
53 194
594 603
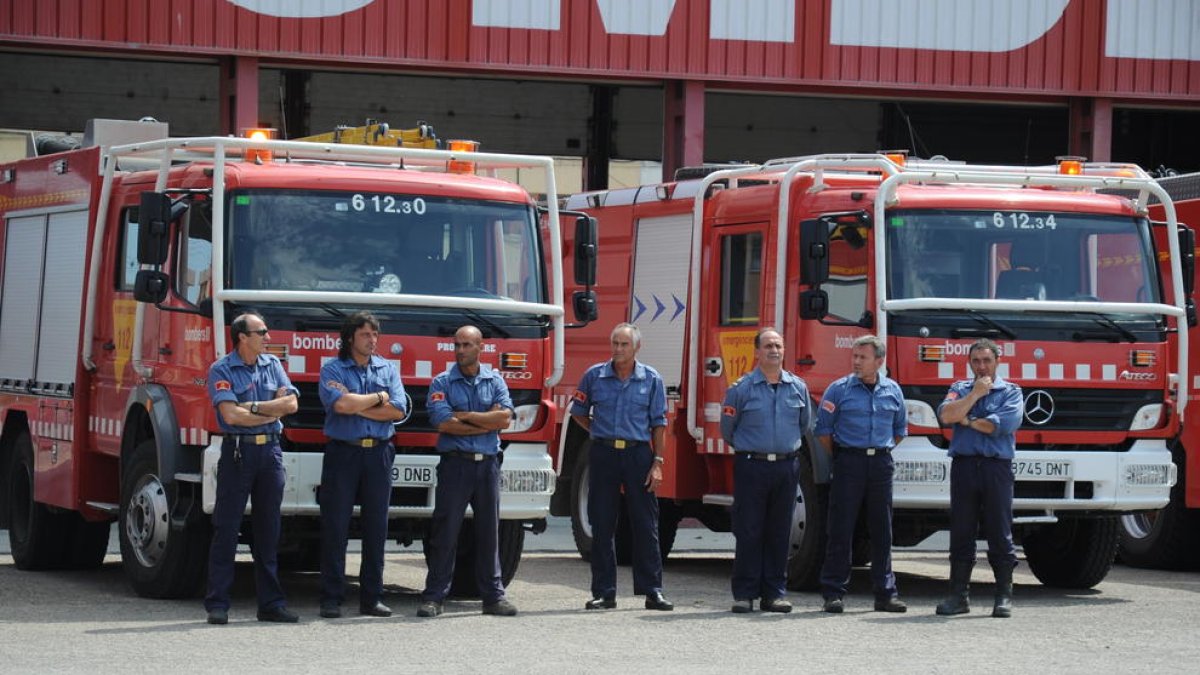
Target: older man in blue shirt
250 391
764 418
987 412
469 404
860 420
623 405
363 396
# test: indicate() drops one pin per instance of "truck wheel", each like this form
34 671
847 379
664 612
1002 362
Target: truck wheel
160 561
1164 539
668 526
807 552
581 528
1073 553
37 536
511 544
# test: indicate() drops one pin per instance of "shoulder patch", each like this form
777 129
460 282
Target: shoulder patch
729 411
222 385
952 396
579 397
828 406
437 396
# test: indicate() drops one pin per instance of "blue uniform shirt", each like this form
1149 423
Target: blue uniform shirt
377 375
1003 406
858 416
231 379
451 392
626 409
760 417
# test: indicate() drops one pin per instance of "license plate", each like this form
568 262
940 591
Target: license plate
1041 469
412 475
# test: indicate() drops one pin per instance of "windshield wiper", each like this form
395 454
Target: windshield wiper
985 319
1104 320
481 319
332 310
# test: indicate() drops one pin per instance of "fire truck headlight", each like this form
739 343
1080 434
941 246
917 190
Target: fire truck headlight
920 472
1143 475
1147 417
524 419
920 414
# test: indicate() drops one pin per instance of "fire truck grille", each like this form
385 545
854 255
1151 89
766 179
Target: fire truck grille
1067 409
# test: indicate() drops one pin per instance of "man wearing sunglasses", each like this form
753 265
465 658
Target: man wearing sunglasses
250 391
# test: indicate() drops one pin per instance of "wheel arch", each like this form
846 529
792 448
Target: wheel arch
150 414
575 439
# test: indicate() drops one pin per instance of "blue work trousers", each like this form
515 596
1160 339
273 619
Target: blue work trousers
981 493
609 470
859 481
764 498
254 472
351 474
463 481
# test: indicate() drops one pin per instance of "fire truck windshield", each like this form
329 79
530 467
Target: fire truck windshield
1023 255
372 242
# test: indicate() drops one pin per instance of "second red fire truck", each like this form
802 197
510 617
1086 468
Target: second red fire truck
930 256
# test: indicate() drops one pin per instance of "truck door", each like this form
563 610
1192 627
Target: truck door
733 295
115 311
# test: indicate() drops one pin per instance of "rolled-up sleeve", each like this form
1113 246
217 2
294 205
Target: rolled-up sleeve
658 404
730 413
437 403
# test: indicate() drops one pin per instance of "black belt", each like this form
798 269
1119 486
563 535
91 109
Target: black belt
617 443
869 452
364 442
254 439
769 456
469 456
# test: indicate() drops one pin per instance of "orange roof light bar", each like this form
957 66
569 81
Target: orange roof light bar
458 165
1070 166
258 134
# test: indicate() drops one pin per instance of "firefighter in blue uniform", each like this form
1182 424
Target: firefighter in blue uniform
860 419
986 412
623 405
250 391
764 418
362 396
469 405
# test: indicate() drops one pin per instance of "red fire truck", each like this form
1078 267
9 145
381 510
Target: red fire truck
1170 537
929 255
125 261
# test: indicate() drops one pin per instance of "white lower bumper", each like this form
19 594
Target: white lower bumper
1138 479
527 482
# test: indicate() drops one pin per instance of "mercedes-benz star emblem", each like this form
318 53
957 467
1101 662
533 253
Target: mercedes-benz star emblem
1039 407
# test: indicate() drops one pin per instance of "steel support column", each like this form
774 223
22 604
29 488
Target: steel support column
683 126
239 94
1091 128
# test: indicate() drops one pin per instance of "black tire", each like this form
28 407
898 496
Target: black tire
511 543
1165 539
88 544
1075 553
668 526
37 536
807 552
160 561
581 528
304 556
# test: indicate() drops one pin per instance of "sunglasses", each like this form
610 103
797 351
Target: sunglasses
261 332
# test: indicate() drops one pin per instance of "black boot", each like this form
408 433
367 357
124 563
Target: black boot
959 600
1003 607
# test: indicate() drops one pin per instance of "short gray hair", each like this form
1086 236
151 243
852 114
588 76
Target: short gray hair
874 341
984 343
634 332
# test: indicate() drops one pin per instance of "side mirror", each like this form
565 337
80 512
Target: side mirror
151 286
154 224
814 304
1187 258
584 303
585 250
814 252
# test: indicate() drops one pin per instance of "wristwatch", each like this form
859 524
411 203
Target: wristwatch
254 408
966 421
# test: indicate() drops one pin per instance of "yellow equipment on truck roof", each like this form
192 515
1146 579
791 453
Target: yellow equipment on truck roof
379 133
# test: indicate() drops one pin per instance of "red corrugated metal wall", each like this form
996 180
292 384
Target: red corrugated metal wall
1066 56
